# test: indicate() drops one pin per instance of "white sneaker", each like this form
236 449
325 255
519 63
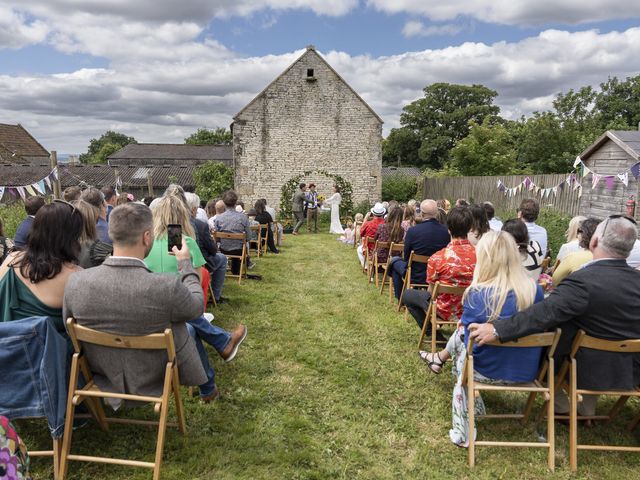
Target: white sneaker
209 317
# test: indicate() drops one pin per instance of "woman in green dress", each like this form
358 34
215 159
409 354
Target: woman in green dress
32 281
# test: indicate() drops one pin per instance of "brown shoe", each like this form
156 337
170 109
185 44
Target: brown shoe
213 396
237 337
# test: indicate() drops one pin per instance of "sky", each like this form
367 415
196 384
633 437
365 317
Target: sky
158 69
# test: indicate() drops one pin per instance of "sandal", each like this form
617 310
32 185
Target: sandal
434 365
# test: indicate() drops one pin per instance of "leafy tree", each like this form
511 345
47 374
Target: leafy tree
618 103
399 187
212 179
442 117
487 150
205 136
401 144
100 148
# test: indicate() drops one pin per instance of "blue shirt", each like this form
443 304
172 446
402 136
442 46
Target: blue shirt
22 232
515 364
539 234
102 228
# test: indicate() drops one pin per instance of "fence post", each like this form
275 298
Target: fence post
53 163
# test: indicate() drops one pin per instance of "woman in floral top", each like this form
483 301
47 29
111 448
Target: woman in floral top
390 231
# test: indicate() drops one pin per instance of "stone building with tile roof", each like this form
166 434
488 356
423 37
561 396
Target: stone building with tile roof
152 154
18 146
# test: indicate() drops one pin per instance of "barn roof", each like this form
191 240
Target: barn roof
19 145
310 51
406 171
628 140
165 153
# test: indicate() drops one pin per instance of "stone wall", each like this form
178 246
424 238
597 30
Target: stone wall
299 124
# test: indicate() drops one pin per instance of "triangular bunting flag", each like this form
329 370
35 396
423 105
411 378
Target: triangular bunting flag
1 192
48 182
30 190
21 192
635 170
609 180
595 178
55 173
555 190
42 187
579 191
577 162
624 178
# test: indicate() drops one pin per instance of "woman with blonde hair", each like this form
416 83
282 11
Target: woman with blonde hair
573 242
500 288
409 217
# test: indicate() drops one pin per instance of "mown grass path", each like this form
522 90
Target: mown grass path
328 385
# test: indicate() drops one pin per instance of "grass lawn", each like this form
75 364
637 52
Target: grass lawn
328 385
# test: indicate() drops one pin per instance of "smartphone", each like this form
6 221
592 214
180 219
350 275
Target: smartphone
174 233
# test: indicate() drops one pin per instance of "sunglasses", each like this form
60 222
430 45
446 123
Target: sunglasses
613 217
64 202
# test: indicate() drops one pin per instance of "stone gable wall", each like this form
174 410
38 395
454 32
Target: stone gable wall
298 125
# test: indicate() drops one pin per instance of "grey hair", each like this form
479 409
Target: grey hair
175 190
618 238
193 200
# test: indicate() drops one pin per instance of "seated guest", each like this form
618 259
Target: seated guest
575 260
123 297
425 238
453 266
216 262
390 231
71 194
232 221
494 223
264 218
272 211
251 215
31 206
92 251
480 224
499 289
462 202
32 281
530 250
369 229
528 213
219 210
409 217
110 197
445 205
6 244
602 299
572 244
94 197
123 198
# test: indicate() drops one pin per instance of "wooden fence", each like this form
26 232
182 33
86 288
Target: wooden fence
482 189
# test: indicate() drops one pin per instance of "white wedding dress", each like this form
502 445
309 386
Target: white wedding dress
334 201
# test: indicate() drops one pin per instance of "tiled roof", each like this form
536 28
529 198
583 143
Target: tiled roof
406 171
18 145
627 140
170 153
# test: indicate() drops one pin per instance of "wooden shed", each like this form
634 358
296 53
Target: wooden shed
615 152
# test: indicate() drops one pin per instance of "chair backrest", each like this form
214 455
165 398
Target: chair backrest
546 339
442 289
154 341
379 245
230 236
415 258
582 340
395 248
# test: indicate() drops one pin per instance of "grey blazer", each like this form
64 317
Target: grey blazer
298 201
123 297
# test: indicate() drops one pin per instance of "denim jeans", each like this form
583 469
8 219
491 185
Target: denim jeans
218 267
398 269
209 386
417 302
215 336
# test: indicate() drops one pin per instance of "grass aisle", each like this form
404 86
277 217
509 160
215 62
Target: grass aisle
328 385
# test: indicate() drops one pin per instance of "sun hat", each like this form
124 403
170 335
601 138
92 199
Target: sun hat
378 210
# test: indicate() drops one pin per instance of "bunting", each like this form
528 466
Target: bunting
33 189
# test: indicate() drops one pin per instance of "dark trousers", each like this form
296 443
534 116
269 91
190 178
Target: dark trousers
299 216
398 270
270 240
417 302
235 262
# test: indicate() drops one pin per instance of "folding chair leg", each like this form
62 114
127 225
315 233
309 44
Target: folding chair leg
631 426
384 279
551 420
471 413
68 423
573 419
434 329
175 384
528 407
615 410
162 424
423 332
57 447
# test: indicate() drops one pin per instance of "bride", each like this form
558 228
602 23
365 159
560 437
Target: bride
334 200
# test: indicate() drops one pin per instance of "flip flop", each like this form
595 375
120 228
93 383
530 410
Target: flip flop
434 365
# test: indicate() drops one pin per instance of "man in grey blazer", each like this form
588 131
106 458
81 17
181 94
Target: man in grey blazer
123 297
298 207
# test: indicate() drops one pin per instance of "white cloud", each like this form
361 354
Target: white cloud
515 12
414 28
16 31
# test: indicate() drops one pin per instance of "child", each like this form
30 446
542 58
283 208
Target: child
349 233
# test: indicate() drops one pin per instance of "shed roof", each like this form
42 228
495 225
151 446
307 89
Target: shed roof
171 152
20 143
406 171
628 140
310 51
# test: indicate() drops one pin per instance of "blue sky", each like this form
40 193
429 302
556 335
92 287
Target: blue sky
159 69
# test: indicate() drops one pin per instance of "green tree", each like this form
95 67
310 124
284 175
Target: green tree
215 136
487 150
100 148
399 187
212 179
442 118
618 103
401 145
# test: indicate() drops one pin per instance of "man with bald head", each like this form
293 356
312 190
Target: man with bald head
602 299
426 238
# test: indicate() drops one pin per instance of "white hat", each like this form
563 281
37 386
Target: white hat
378 210
239 209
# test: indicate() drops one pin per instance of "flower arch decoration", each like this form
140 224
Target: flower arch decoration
290 187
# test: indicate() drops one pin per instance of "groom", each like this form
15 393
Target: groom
312 208
298 207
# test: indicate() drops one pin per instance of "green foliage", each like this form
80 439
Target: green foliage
212 179
11 216
487 150
363 207
108 143
556 224
618 102
402 144
399 187
289 189
215 136
442 118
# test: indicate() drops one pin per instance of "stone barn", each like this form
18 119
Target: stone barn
615 152
307 119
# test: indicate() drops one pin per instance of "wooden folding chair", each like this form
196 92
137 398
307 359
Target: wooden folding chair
54 453
366 241
537 387
257 243
413 258
356 233
242 257
377 265
582 340
432 317
263 238
159 341
395 250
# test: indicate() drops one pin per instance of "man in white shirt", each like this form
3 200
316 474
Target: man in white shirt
495 224
528 213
